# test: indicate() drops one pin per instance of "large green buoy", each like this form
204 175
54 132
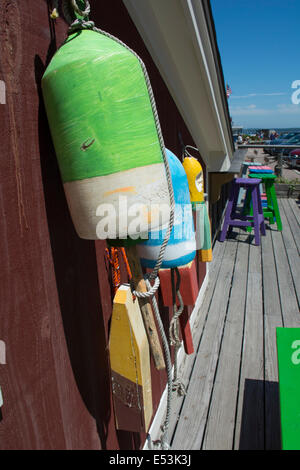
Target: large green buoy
105 136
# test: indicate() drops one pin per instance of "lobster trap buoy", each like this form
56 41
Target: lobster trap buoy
105 135
189 289
130 364
181 248
194 174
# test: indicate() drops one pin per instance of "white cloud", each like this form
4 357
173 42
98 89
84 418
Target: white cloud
288 109
251 95
252 110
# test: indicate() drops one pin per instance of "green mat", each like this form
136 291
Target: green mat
288 351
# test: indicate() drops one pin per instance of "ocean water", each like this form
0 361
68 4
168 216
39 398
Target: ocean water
277 129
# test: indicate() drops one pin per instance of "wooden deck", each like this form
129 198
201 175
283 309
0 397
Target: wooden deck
232 397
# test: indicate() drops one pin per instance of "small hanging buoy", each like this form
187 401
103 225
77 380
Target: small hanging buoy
194 174
181 248
54 14
188 285
105 136
189 290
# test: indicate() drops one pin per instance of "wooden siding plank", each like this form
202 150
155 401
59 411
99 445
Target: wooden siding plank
219 433
190 429
39 385
250 414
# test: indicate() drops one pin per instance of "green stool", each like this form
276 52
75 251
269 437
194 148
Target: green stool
271 212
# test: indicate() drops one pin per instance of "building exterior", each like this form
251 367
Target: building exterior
56 291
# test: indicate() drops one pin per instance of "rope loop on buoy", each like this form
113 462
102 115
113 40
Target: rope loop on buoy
85 13
151 289
186 153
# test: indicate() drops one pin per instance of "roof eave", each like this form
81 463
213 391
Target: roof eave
180 37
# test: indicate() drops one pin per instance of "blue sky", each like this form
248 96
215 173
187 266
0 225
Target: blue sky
259 43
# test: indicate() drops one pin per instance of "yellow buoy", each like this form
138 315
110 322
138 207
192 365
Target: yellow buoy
130 364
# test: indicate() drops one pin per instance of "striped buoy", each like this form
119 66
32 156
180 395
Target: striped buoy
105 136
181 248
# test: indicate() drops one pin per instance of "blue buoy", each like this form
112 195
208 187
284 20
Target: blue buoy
181 248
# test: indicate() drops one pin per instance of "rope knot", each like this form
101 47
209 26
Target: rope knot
179 387
78 25
85 13
151 289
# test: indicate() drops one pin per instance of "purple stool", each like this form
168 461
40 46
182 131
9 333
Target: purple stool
234 219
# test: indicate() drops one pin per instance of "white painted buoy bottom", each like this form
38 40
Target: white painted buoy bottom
120 205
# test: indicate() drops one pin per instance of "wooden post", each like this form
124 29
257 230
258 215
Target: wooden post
146 308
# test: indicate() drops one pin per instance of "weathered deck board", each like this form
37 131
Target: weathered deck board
187 363
272 320
250 413
190 428
295 206
232 396
223 405
290 208
288 298
291 249
185 369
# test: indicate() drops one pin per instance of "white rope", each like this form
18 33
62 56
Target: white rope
163 442
84 13
151 289
186 152
177 384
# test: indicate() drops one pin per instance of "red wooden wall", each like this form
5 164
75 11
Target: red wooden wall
55 290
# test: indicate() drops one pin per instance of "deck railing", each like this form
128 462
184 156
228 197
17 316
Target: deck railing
279 157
